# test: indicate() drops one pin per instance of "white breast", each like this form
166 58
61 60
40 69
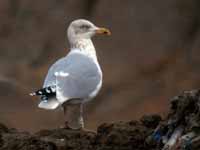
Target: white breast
86 47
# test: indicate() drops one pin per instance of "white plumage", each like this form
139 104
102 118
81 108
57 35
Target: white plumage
75 78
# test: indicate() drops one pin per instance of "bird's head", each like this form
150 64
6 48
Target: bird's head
84 29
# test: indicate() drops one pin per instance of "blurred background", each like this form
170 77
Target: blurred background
152 55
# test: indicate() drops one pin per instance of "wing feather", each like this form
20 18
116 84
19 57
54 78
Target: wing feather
75 76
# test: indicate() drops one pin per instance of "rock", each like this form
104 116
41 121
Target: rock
114 136
151 121
20 141
122 135
181 128
3 128
68 139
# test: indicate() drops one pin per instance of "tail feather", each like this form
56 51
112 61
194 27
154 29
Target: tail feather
50 104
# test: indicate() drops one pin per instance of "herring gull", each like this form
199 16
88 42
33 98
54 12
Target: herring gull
76 78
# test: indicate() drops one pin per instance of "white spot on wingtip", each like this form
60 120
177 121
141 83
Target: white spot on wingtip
32 94
56 73
53 89
48 91
62 74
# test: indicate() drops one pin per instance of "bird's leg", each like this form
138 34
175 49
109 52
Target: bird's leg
82 121
73 116
66 124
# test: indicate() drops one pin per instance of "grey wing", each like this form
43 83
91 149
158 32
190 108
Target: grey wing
75 76
51 78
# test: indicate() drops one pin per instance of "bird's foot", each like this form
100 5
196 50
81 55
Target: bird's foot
87 130
66 126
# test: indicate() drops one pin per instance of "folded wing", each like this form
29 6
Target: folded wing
75 76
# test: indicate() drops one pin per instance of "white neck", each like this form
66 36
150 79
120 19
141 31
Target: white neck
86 46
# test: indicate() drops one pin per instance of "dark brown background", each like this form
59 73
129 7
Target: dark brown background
152 55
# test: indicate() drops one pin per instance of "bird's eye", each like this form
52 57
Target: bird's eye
85 27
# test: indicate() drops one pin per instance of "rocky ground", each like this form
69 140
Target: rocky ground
116 136
179 130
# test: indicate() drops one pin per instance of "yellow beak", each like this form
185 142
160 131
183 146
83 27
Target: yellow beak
103 31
